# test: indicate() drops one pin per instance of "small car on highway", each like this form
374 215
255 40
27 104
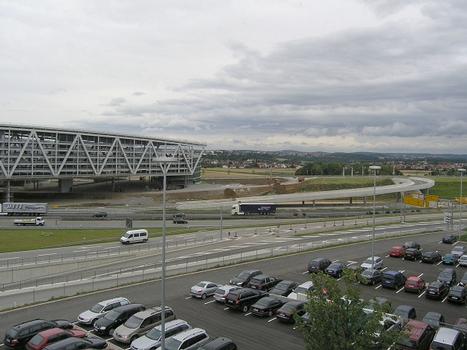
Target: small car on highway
393 279
413 254
221 343
244 277
458 250
318 265
335 270
78 344
18 335
135 236
449 239
437 290
243 298
263 282
284 288
434 319
116 317
266 306
370 277
44 338
431 257
152 339
463 261
448 276
302 291
100 309
222 291
287 312
414 284
188 340
406 312
370 264
457 294
203 289
450 259
397 251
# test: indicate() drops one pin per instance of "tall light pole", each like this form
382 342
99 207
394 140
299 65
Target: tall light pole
164 163
374 168
462 171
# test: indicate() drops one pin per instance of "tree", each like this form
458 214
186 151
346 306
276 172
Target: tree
337 320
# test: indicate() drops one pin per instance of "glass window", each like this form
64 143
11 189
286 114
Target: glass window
133 322
97 308
36 340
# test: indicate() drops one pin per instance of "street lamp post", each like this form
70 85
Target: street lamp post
164 163
375 168
462 171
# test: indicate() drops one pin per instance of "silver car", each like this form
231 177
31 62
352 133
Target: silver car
152 339
203 289
100 309
188 340
222 291
458 250
368 263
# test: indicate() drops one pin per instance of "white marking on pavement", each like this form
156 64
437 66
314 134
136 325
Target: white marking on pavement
384 268
439 263
339 278
401 271
335 261
457 265
422 294
47 254
272 319
247 314
188 298
400 290
420 275
455 243
304 272
378 286
209 302
226 308
387 256
444 299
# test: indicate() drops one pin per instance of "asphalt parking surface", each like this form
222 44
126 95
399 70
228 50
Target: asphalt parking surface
245 329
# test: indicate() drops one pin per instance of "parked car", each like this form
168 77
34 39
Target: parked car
368 263
266 306
448 338
335 269
450 239
370 276
437 290
431 257
222 291
434 319
397 251
287 312
461 325
302 291
457 294
242 299
393 279
318 264
450 259
220 343
49 336
203 289
263 282
18 335
284 288
463 281
187 340
448 276
152 339
116 317
458 250
415 335
414 284
78 344
100 309
412 244
244 277
140 323
413 254
406 312
463 260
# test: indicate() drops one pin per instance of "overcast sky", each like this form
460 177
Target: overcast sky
348 75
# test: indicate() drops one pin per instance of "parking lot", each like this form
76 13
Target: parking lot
245 329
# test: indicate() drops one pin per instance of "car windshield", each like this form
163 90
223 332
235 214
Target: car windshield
12 333
97 308
154 334
172 344
36 340
439 346
301 290
126 235
201 284
243 275
133 322
112 315
388 276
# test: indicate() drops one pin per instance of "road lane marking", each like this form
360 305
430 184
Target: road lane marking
247 314
47 254
422 294
400 290
420 275
272 319
445 299
188 298
457 265
209 302
439 263
378 286
455 243
226 308
335 261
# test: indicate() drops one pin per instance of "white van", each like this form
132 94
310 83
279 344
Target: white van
135 236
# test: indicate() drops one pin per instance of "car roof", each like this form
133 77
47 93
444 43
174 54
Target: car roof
413 278
60 344
128 307
188 334
416 329
404 307
49 332
216 342
261 276
151 311
392 272
173 323
29 323
446 335
110 301
306 284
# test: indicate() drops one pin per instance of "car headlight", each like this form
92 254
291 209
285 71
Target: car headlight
102 328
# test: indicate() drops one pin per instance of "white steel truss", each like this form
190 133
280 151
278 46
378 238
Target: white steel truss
35 153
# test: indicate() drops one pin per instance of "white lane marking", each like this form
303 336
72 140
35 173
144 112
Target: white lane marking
445 299
304 272
247 314
188 298
378 286
420 275
384 268
455 243
14 257
47 254
422 294
108 338
386 256
439 263
401 271
272 319
226 308
400 290
209 302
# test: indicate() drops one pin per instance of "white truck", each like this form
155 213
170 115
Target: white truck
39 221
31 209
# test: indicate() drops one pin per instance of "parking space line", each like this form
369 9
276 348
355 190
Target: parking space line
226 308
457 265
401 271
209 302
384 268
378 286
247 314
400 290
420 275
272 319
386 256
455 243
335 261
422 294
339 278
444 299
439 263
304 272
108 338
188 298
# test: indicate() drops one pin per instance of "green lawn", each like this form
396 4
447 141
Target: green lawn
448 187
28 239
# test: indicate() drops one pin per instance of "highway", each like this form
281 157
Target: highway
250 332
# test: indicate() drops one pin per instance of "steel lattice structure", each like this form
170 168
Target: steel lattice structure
40 153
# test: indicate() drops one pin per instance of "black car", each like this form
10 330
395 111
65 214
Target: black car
437 290
335 269
263 282
448 276
244 277
318 265
434 319
243 298
431 257
411 244
266 306
457 294
287 312
18 335
370 276
74 343
100 214
116 317
284 288
220 343
450 239
406 312
463 281
393 279
413 254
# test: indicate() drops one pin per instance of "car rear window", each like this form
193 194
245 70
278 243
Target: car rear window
12 333
36 340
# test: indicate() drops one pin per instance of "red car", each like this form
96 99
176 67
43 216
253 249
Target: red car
397 251
44 338
414 284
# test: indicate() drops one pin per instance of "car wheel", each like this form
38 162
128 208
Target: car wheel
245 308
203 296
93 322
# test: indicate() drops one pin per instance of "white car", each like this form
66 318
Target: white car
152 339
458 250
100 309
368 263
203 289
301 292
463 260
